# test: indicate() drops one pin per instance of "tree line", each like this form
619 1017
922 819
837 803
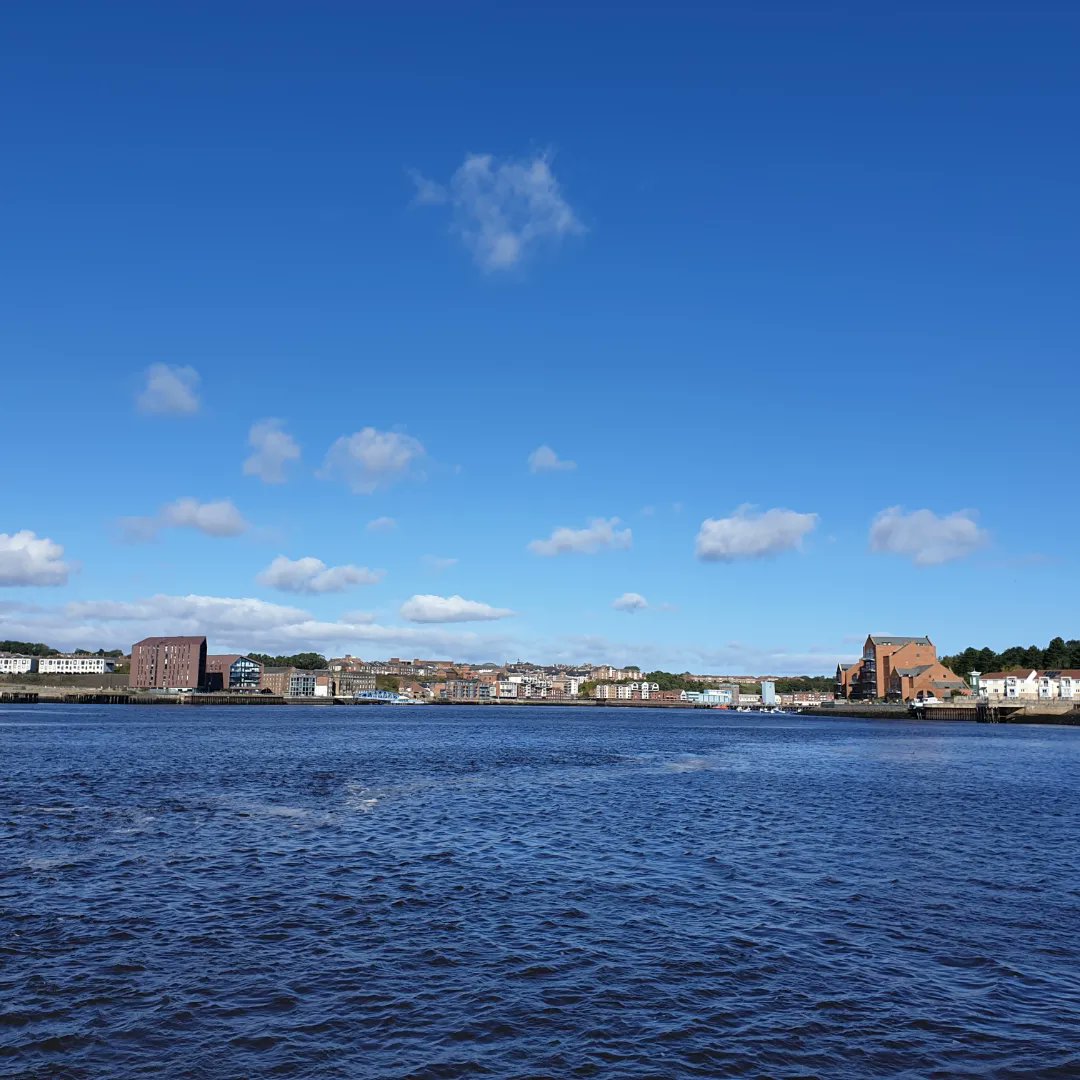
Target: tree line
38 648
308 661
1057 655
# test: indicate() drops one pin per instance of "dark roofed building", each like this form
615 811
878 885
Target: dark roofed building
232 671
169 663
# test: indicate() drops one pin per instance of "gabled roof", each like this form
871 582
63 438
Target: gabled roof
893 639
1015 673
179 640
911 671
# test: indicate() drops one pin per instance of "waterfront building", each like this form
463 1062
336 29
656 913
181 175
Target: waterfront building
275 680
349 683
809 697
1068 683
231 671
925 681
718 695
1027 684
17 664
169 663
465 690
768 693
73 664
902 668
307 682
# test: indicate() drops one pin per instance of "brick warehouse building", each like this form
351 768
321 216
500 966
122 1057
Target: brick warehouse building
169 663
898 667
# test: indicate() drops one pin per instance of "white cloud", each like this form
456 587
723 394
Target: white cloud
382 524
169 389
601 534
502 209
750 535
219 519
439 563
444 609
311 575
236 624
630 601
924 537
274 449
29 559
371 459
544 459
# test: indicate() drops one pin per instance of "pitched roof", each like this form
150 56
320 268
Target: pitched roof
892 639
180 640
913 670
1014 673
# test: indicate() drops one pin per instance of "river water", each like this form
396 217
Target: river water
407 892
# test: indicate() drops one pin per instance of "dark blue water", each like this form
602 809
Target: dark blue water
396 892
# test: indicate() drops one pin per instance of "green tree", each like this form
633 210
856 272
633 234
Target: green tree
309 661
28 648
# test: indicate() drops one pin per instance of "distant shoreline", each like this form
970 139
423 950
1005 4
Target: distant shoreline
39 695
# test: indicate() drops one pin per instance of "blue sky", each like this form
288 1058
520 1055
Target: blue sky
795 292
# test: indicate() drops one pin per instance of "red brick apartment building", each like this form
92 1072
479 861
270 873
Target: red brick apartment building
903 668
169 663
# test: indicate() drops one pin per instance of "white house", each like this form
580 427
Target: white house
1059 684
69 664
1030 685
14 664
1069 684
1021 684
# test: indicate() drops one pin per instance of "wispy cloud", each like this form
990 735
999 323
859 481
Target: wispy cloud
218 519
502 209
601 534
273 449
370 459
748 534
311 575
630 602
438 563
381 524
926 538
447 609
544 459
29 559
169 390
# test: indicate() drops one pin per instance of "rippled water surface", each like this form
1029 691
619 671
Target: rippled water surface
400 892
